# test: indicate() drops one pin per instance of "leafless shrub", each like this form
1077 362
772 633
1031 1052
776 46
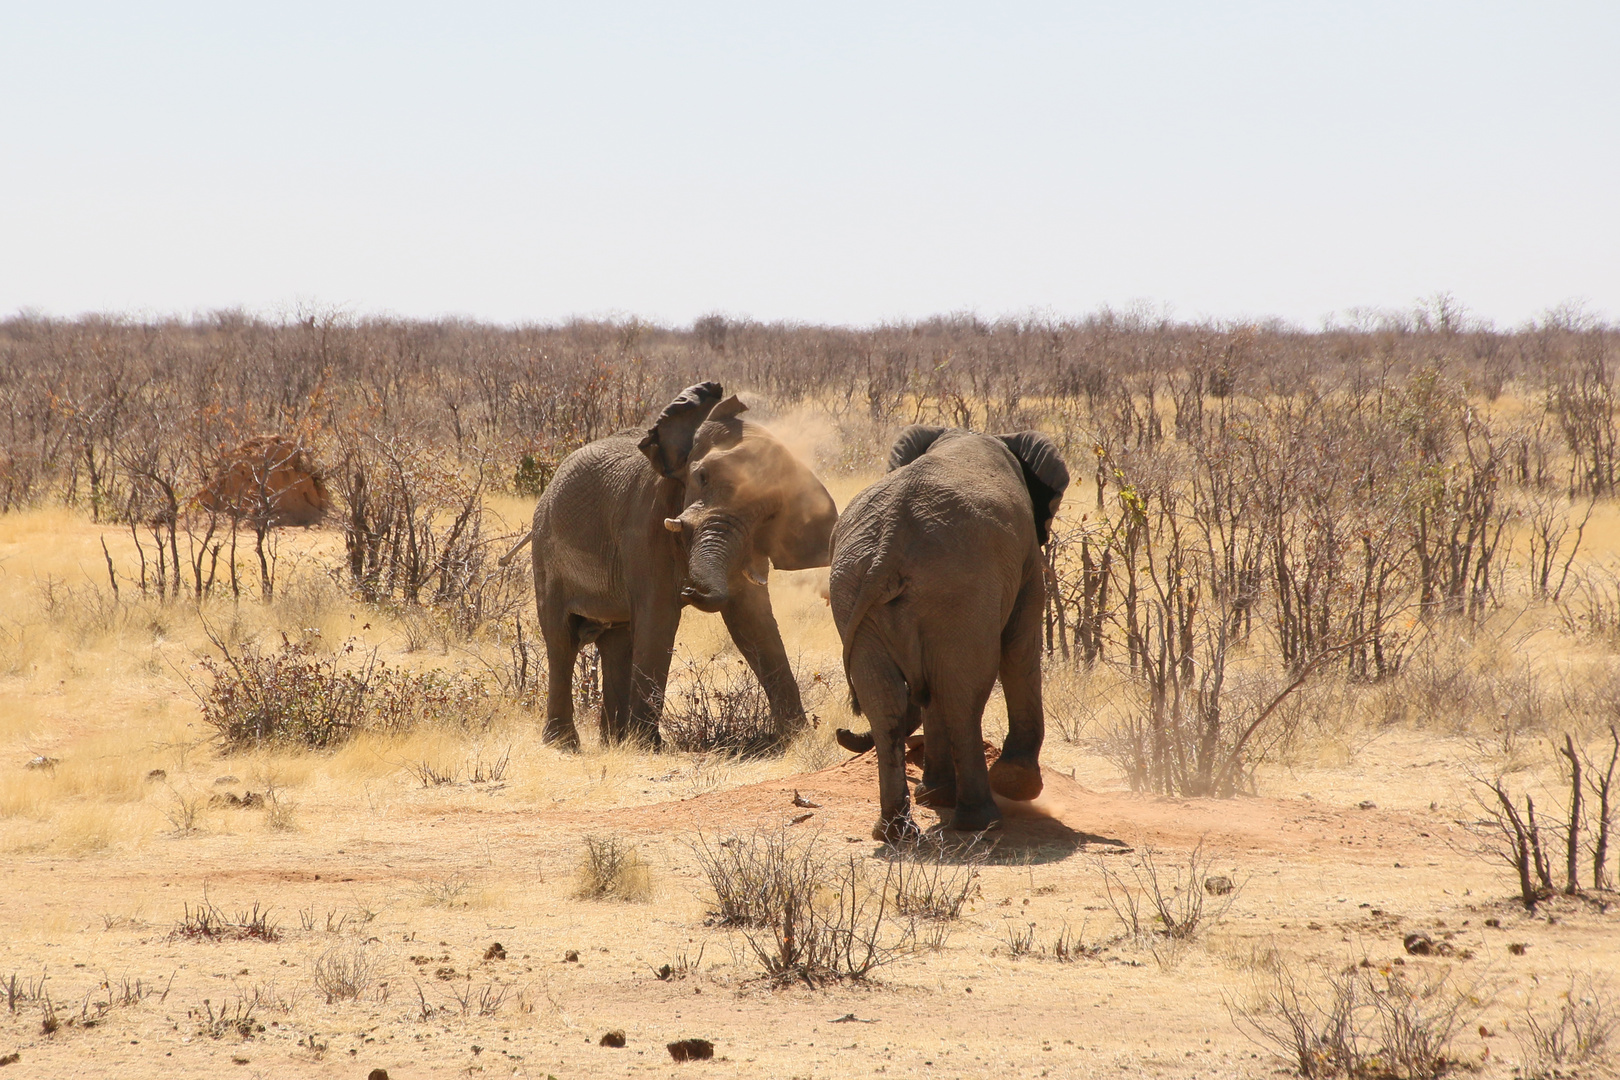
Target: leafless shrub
447 892
749 875
1515 835
431 774
612 869
683 965
489 772
1171 902
207 921
23 991
1580 1033
720 707
1020 942
344 972
185 811
484 999
837 925
229 1018
810 915
1359 1021
933 880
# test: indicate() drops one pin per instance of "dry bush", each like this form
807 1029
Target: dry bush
810 915
1525 840
1581 1032
207 921
293 696
228 1018
721 708
1358 1022
612 869
344 972
1162 904
447 892
933 879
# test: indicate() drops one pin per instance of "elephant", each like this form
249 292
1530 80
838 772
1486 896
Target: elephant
634 526
937 588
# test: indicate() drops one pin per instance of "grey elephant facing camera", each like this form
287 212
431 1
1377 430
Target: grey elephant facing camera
695 510
938 588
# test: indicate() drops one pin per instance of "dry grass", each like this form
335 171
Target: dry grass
612 869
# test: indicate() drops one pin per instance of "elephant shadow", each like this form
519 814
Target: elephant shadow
1029 834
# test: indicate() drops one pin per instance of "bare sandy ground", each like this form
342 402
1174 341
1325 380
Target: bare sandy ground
430 879
95 876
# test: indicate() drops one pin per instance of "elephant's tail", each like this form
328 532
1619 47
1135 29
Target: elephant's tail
517 547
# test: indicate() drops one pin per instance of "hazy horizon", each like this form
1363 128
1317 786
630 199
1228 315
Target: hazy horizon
843 166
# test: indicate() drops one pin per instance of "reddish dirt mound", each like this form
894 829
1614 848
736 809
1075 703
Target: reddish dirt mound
1065 818
271 478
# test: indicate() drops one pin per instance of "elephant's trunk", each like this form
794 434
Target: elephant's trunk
716 551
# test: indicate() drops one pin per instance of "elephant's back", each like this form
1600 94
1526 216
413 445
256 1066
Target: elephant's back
955 518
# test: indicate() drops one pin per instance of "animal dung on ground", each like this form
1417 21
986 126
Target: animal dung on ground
1517 948
377 1074
42 762
496 951
691 1050
156 775
1219 885
802 818
571 956
800 800
613 1038
1420 945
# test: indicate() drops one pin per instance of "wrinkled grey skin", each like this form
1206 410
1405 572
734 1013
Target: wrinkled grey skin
632 527
937 588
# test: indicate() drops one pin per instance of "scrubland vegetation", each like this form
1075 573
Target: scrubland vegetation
1289 560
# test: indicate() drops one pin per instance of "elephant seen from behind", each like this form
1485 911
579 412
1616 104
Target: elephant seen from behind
938 588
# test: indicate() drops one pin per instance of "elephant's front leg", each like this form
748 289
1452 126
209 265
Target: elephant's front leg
752 625
882 693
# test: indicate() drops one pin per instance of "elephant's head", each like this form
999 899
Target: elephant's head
749 504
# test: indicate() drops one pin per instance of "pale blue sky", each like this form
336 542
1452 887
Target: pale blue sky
824 162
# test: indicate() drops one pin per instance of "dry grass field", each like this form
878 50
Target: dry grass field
453 897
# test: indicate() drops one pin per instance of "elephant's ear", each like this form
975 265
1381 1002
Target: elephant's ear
668 442
912 443
728 408
1044 474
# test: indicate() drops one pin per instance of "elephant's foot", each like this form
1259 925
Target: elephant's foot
899 829
975 819
562 734
939 796
855 744
1016 780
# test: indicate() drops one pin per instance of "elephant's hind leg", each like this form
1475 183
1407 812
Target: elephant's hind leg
882 692
1017 773
562 648
614 648
938 786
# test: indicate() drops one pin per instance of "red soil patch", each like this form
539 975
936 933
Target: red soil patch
1066 817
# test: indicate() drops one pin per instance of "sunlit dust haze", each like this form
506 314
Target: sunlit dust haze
834 163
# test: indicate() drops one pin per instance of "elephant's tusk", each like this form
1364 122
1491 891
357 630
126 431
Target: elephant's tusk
672 524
